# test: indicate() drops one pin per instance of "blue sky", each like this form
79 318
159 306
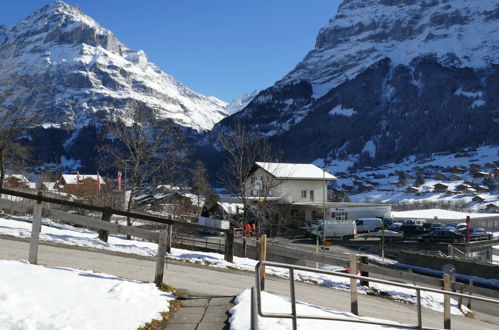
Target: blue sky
221 48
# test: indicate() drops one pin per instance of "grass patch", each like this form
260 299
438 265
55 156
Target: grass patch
165 316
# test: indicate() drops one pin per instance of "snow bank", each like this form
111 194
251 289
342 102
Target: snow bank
45 297
240 319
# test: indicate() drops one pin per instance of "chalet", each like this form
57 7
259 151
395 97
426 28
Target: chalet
412 190
458 170
16 181
474 166
481 188
47 186
75 179
293 183
478 199
479 174
469 190
454 177
379 176
495 172
440 176
490 165
440 187
492 208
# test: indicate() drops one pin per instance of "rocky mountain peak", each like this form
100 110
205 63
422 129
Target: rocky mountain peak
64 65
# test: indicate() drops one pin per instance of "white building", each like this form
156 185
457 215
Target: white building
304 188
288 183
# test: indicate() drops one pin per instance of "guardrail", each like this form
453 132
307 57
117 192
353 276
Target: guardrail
257 299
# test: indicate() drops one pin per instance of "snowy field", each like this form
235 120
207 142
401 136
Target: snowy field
44 297
67 234
240 319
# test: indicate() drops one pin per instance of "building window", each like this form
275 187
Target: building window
311 195
303 194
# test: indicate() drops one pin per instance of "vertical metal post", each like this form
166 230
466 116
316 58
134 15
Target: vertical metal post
169 230
447 324
254 310
36 227
293 297
364 261
354 307
263 257
470 292
418 306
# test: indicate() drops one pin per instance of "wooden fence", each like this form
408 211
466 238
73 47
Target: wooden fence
164 239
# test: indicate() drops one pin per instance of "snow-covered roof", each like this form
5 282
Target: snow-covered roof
296 171
232 208
49 185
20 177
73 178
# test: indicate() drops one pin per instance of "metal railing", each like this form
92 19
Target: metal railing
257 298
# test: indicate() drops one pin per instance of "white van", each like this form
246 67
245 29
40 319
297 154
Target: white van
343 229
368 225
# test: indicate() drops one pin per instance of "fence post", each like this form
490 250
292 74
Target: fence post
354 307
243 248
104 234
160 260
364 261
36 226
254 310
447 302
229 246
470 292
169 230
263 257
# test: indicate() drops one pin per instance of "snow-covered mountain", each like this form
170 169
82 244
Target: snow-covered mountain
73 72
240 103
387 79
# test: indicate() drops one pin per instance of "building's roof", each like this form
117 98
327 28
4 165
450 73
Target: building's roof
49 185
20 177
73 178
288 171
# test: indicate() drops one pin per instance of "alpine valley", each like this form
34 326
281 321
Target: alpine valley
388 81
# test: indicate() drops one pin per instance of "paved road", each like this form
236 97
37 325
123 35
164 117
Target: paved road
197 280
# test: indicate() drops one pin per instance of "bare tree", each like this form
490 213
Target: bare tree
243 150
146 153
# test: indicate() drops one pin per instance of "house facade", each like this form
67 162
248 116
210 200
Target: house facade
288 183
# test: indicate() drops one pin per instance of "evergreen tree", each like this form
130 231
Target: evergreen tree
419 179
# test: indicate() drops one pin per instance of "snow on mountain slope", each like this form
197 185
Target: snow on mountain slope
241 102
74 72
457 32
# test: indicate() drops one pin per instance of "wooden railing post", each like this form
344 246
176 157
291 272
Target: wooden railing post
447 302
104 234
354 307
160 258
169 230
36 227
229 246
263 257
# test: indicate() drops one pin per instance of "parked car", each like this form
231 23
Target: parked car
430 226
441 236
412 230
417 222
396 225
387 222
343 229
365 225
477 234
461 226
450 227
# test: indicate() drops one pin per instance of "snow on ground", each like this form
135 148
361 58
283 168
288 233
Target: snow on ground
440 214
45 297
240 319
67 234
